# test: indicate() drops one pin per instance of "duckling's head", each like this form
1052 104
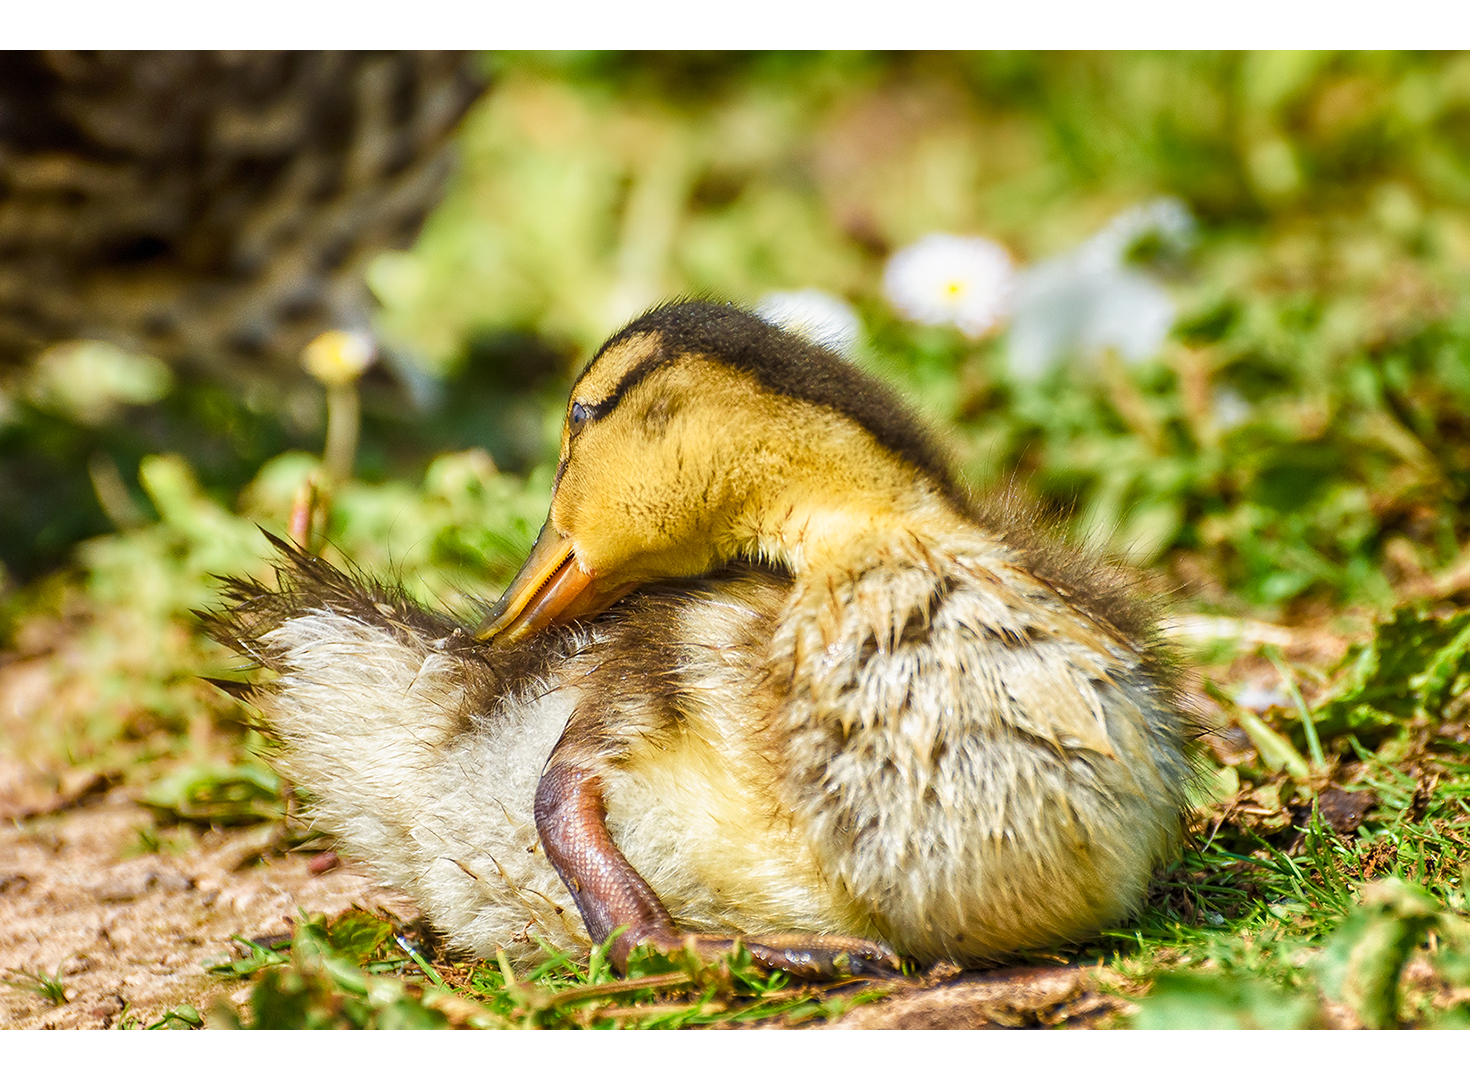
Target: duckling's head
700 434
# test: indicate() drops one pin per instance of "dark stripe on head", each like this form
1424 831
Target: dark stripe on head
636 374
788 365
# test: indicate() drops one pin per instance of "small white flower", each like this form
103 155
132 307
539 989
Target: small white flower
1166 220
1260 699
1064 306
1089 300
820 317
1230 409
1133 314
964 281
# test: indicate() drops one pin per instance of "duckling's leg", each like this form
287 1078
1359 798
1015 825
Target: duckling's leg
572 820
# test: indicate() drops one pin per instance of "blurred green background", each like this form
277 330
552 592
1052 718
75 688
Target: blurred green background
1295 438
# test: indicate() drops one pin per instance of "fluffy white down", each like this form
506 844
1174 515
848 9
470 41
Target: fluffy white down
440 807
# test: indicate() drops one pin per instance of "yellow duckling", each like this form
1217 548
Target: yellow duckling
766 675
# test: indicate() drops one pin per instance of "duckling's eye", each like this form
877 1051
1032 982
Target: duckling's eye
579 417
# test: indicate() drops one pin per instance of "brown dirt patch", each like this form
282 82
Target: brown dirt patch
1010 998
132 933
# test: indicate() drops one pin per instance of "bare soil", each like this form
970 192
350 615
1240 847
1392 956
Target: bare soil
129 935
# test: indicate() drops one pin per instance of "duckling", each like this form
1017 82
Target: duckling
768 675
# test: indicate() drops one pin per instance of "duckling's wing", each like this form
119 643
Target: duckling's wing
977 761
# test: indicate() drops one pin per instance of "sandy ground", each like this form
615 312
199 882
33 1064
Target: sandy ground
130 934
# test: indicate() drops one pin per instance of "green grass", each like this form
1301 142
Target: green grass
1276 907
361 971
43 984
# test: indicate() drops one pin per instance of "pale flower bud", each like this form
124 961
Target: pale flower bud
339 357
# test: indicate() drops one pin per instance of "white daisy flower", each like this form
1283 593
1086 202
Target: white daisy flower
964 281
818 316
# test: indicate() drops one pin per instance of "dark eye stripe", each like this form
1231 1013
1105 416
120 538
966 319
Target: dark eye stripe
582 413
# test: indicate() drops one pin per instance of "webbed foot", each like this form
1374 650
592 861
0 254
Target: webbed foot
813 957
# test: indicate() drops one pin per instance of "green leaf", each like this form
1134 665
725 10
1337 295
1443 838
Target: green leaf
1216 1001
1362 960
218 794
1408 666
257 958
356 935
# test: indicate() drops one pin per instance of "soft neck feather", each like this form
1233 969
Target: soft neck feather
831 512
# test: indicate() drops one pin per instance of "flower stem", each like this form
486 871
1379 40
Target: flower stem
342 428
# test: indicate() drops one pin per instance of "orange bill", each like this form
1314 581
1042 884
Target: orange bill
549 589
